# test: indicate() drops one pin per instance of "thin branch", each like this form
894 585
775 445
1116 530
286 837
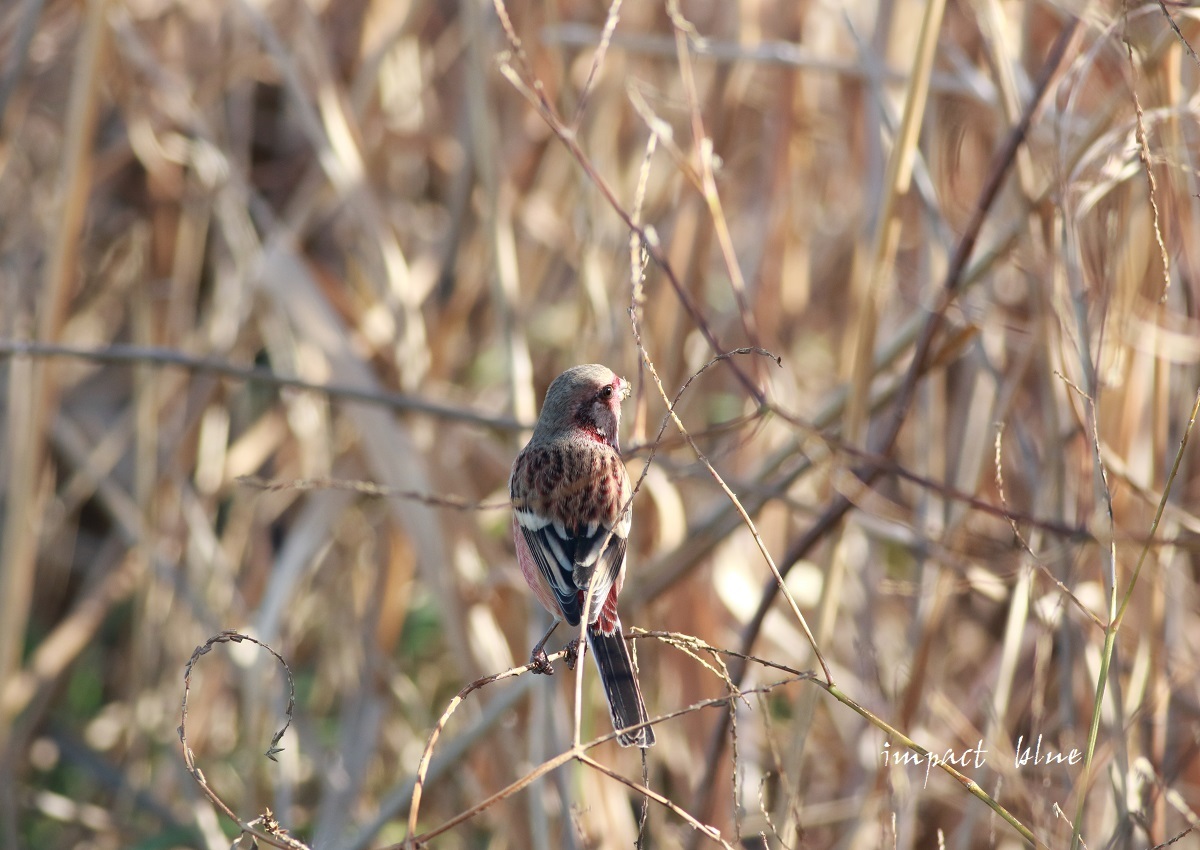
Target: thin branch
729 494
270 831
166 357
1175 27
370 489
427 755
575 752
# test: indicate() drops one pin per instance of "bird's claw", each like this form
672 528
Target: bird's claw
571 653
539 663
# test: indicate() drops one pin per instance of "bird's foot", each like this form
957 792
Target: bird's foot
539 663
572 653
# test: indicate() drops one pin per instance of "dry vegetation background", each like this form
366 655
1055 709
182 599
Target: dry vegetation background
339 241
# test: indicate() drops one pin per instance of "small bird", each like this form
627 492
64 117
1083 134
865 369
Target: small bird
571 514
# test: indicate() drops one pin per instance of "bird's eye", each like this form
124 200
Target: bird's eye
607 392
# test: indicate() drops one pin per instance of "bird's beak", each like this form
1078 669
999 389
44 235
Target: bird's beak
624 389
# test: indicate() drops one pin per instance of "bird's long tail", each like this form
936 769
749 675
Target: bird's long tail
621 687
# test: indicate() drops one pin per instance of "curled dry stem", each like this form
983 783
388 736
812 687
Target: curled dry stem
264 827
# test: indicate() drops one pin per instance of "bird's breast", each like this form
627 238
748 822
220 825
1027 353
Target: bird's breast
572 486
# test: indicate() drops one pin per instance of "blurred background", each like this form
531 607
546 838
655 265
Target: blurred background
249 250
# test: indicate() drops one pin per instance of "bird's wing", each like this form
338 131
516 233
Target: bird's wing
568 561
574 526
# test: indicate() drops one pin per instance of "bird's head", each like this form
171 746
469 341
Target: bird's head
586 399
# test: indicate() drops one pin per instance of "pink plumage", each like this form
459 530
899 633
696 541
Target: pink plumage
571 515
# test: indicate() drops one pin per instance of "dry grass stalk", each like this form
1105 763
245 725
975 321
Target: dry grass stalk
280 286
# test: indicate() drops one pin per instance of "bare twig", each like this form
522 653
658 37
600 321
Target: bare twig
427 755
610 25
270 830
371 489
762 547
132 354
1012 521
577 751
1191 51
